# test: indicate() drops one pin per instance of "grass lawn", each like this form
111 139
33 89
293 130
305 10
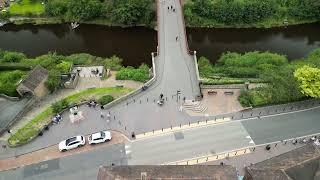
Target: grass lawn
32 129
27 7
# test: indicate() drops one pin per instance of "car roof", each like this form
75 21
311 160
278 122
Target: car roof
96 135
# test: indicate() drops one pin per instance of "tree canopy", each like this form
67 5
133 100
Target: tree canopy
309 80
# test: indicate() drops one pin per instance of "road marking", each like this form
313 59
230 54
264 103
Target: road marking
127 149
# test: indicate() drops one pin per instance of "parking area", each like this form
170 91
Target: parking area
52 152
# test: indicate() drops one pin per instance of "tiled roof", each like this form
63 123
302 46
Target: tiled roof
35 77
216 172
301 163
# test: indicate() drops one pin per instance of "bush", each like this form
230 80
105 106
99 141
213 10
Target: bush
114 63
9 81
81 59
105 99
64 66
12 57
53 81
245 99
57 107
129 73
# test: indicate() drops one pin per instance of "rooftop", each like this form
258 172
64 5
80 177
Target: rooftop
212 172
35 77
301 163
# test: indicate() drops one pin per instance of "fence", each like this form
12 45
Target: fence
241 151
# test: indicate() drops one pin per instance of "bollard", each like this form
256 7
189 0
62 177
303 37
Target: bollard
207 158
276 110
166 98
180 125
153 131
154 100
291 107
162 129
187 162
284 109
215 118
241 115
140 101
251 114
134 100
189 123
125 128
206 121
198 122
285 142
245 151
276 145
127 103
147 99
197 161
171 126
217 157
114 117
231 117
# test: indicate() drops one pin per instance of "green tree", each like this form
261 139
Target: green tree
309 81
54 80
105 99
114 63
131 12
84 9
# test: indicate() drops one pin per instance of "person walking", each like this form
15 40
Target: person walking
176 38
101 114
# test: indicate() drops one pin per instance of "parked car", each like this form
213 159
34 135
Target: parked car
72 143
99 137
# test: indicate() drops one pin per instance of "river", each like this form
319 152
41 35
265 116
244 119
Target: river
135 45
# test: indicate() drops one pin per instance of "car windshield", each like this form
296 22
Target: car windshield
70 140
103 134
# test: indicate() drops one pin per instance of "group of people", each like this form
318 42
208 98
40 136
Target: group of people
171 8
92 103
56 119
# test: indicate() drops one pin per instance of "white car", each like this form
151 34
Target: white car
99 137
72 143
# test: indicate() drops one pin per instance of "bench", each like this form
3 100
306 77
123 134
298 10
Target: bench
228 92
212 92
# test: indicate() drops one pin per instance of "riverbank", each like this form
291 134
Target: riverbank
268 23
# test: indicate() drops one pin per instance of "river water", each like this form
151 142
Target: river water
135 45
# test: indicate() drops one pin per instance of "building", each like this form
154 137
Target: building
33 84
145 172
299 164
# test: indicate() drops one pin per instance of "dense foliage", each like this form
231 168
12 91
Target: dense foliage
129 73
286 82
58 106
131 12
54 80
9 81
113 63
248 65
246 12
124 12
309 80
59 64
75 10
105 100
